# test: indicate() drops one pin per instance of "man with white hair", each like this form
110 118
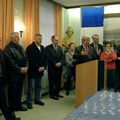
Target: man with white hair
3 103
95 48
82 53
15 60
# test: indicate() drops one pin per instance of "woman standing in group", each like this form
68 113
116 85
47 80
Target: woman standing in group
70 66
109 56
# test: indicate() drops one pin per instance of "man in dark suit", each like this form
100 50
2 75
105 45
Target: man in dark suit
55 58
16 62
37 64
95 48
82 53
3 103
117 67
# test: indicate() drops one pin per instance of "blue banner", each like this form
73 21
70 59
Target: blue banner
92 16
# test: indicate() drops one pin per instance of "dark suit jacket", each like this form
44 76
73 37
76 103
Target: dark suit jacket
94 55
118 61
54 57
80 58
15 58
3 66
36 59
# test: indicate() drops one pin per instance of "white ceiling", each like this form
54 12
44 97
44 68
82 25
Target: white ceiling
75 3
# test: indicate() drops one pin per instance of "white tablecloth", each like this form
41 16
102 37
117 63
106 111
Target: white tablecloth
104 105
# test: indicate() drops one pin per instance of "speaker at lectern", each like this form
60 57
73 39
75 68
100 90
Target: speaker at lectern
90 78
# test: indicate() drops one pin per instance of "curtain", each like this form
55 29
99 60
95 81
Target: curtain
31 20
58 22
6 22
1 24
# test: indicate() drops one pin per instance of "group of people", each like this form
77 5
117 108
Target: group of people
88 52
15 64
80 54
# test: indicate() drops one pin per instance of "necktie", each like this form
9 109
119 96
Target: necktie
86 48
1 70
55 48
96 48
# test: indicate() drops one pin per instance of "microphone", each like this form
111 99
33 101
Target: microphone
92 52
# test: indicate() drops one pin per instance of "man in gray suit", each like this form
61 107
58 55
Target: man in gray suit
55 59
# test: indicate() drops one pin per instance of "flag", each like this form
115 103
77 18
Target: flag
92 21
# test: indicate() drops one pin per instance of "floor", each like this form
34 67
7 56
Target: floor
53 109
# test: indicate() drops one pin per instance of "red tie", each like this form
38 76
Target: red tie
86 48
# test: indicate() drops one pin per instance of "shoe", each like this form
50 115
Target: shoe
67 93
39 103
0 114
13 117
54 97
21 108
17 118
29 105
60 96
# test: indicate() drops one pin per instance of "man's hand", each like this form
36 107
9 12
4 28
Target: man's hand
58 64
84 53
23 70
40 69
118 58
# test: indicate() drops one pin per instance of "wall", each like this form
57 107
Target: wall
75 22
46 21
65 21
71 17
19 17
112 29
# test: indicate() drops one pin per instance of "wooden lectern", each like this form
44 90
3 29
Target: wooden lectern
88 77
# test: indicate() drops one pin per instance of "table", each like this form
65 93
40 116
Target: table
104 105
